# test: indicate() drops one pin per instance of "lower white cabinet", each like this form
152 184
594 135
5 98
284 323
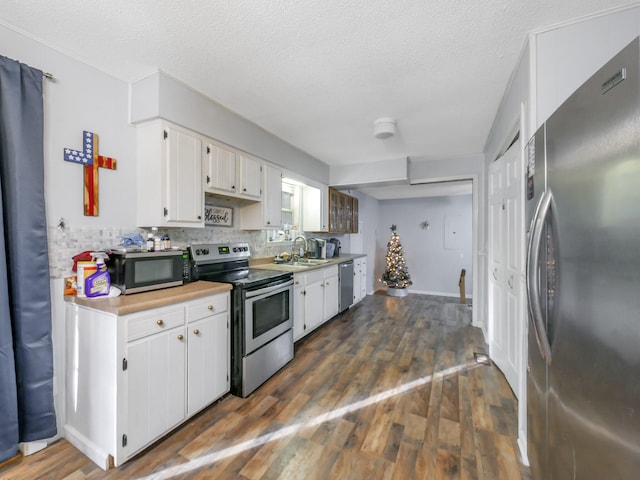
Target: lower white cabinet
315 299
132 378
359 279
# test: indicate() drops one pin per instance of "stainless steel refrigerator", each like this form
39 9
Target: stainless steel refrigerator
583 281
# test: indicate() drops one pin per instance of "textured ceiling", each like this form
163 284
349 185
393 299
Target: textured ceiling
318 73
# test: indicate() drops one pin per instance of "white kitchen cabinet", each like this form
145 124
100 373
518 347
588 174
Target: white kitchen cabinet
359 279
169 186
331 292
250 177
132 378
363 278
299 305
154 363
315 299
268 212
220 168
315 208
208 353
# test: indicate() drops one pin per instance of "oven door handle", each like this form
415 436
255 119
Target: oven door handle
262 291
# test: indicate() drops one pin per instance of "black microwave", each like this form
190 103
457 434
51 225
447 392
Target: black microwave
134 272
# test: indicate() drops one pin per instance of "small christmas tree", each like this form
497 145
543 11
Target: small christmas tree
396 276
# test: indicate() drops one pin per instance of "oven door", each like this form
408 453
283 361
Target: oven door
268 314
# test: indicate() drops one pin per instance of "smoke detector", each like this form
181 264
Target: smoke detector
384 127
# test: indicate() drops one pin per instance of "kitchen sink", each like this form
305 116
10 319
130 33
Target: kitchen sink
305 262
312 261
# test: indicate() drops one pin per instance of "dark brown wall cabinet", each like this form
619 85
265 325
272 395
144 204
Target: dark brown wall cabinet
343 212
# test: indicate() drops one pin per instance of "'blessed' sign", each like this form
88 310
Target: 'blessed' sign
219 216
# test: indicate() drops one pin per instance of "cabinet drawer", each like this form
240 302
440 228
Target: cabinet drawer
331 271
154 321
203 307
314 276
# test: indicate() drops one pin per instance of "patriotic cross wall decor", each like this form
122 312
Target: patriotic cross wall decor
92 161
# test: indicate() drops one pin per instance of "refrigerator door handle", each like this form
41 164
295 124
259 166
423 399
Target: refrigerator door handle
533 290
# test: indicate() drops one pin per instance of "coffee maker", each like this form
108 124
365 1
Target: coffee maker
316 248
336 243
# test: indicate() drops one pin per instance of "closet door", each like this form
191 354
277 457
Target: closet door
506 273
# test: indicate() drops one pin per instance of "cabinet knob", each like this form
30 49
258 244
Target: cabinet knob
196 332
233 187
210 307
180 337
297 282
160 322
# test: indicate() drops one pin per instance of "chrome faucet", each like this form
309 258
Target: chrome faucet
295 253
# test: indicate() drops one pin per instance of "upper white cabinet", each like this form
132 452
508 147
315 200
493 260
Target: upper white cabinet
250 177
315 208
169 186
231 173
268 213
220 168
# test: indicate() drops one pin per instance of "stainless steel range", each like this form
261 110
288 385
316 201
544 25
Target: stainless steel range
262 312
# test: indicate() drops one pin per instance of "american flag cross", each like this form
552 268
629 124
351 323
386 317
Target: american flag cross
92 161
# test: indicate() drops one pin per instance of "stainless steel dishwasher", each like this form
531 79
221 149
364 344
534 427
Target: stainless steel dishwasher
345 275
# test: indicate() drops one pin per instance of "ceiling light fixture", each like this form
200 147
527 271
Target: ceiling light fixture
384 127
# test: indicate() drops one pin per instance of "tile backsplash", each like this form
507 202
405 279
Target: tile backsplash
66 242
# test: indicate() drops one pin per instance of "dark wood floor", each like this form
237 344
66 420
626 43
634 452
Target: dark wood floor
387 390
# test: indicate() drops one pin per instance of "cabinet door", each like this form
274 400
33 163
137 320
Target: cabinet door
155 386
334 210
347 212
331 297
183 180
363 279
299 302
208 353
250 177
314 305
220 168
354 215
357 276
272 201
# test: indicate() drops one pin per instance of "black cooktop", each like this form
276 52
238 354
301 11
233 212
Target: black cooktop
249 277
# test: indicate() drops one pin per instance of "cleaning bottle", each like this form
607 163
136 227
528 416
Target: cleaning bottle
98 284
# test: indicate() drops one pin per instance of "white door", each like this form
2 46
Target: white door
505 264
185 201
331 294
156 386
207 361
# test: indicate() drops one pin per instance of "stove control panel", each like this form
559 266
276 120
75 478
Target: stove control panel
219 252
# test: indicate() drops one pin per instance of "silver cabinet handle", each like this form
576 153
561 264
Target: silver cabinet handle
510 282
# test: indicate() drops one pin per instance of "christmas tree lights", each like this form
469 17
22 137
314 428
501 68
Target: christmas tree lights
396 274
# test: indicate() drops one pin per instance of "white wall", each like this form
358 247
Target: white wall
568 55
434 268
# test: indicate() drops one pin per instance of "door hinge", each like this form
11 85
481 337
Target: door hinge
166 212
166 134
208 150
124 440
124 364
208 179
227 377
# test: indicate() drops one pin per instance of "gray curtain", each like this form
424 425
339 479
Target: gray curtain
26 354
